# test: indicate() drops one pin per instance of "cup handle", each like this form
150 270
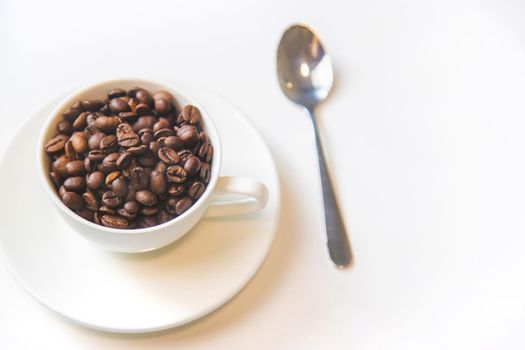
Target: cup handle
236 195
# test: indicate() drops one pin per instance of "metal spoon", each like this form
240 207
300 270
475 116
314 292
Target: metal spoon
305 74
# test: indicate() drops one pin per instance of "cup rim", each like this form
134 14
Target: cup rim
72 97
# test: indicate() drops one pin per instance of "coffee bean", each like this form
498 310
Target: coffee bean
196 190
128 117
162 106
95 180
142 109
132 206
75 184
79 142
139 179
61 191
133 103
124 159
92 105
192 165
113 93
109 163
108 143
90 121
117 105
161 166
147 159
146 198
203 137
81 121
78 106
72 200
182 205
111 200
89 165
174 142
96 218
144 97
175 190
205 173
163 216
85 214
69 150
64 127
157 182
59 166
90 201
144 122
154 147
188 134
112 177
163 133
107 124
191 114
137 150
56 179
96 155
176 174
162 94
168 156
147 221
114 221
206 152
163 123
184 155
94 140
120 186
56 144
71 115
123 129
75 168
149 210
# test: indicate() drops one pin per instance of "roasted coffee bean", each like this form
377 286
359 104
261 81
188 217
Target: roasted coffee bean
90 201
157 182
192 165
81 121
79 142
142 109
162 106
109 163
108 143
107 210
59 166
107 124
120 187
203 137
188 134
162 94
129 140
96 218
114 221
61 191
146 198
75 184
112 177
184 155
132 206
75 168
92 105
144 122
89 165
148 159
96 155
171 205
206 152
95 180
144 97
123 129
71 115
94 140
72 200
196 190
85 214
128 117
175 190
163 123
113 93
138 150
117 105
124 159
111 200
133 103
56 144
78 106
90 120
191 114
139 178
154 147
69 150
168 156
174 142
182 205
163 216
149 210
161 166
176 174
163 133
205 173
131 194
64 127
147 221
56 179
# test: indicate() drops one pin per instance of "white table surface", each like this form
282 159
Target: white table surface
425 138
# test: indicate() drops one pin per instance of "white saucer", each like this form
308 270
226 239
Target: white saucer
132 293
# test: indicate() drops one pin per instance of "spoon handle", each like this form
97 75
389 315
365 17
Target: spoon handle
337 239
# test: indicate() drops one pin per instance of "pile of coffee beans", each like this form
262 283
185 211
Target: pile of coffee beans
131 161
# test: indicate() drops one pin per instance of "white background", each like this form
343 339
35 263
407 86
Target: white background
425 138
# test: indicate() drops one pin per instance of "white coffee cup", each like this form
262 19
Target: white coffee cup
250 195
